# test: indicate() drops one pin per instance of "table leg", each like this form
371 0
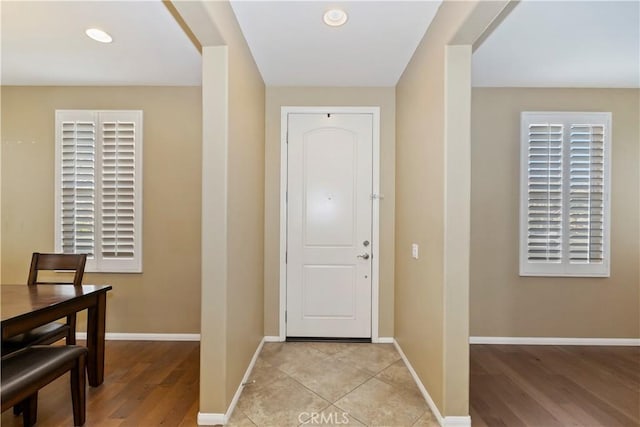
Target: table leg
95 340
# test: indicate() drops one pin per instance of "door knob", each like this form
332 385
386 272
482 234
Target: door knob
364 256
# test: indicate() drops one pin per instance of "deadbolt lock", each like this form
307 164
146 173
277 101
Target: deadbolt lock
365 243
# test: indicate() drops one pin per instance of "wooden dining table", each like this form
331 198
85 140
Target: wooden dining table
26 307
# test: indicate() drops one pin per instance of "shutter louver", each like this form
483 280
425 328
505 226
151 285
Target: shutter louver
586 198
544 193
78 187
118 189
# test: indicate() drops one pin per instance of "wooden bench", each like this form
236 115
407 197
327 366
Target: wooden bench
28 370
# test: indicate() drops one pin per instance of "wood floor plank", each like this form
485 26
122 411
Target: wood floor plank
476 419
534 380
494 411
141 378
191 417
599 383
577 386
100 406
624 370
152 401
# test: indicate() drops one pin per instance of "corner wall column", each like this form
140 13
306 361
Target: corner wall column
214 229
457 228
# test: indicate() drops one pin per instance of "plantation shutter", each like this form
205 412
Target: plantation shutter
586 197
78 159
564 221
99 154
118 188
544 192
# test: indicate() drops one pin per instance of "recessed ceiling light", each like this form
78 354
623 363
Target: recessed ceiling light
99 35
335 17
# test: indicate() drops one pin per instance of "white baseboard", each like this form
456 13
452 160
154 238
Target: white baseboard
245 378
443 421
117 336
423 390
210 419
629 342
457 421
379 340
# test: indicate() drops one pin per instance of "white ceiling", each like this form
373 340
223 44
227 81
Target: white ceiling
563 44
293 47
43 43
540 43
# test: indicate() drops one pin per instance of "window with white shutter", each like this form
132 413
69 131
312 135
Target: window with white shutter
564 203
99 188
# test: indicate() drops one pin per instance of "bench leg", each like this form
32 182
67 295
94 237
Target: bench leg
17 409
78 391
30 410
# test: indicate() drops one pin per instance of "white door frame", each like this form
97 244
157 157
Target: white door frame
375 224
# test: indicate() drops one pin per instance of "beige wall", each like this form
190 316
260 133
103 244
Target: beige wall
419 314
432 157
245 298
278 97
233 211
166 296
504 304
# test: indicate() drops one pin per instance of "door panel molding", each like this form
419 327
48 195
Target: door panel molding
375 263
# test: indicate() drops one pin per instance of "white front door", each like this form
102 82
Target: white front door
329 235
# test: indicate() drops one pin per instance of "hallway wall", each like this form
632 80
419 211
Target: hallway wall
277 97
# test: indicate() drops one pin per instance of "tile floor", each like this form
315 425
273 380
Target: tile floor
314 384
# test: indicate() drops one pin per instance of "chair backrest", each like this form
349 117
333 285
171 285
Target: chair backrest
64 262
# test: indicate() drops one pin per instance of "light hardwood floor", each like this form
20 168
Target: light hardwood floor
550 386
146 384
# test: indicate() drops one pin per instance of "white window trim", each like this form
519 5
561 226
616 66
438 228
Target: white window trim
98 264
565 269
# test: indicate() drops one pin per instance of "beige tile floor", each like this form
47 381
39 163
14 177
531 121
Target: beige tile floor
320 384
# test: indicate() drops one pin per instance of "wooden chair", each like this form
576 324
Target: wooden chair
51 332
57 262
26 371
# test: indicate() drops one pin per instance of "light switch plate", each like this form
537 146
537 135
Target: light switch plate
414 250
